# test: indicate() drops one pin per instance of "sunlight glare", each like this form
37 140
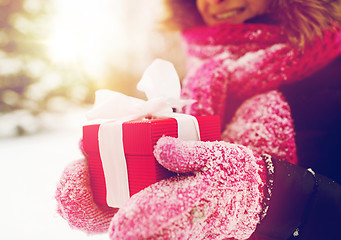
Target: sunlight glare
87 33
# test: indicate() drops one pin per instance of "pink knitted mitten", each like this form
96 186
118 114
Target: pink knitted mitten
217 196
75 202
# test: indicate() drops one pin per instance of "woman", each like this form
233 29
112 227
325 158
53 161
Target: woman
270 70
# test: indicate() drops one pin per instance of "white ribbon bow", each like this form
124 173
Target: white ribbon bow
161 85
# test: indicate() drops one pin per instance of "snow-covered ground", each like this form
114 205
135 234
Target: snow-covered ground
30 168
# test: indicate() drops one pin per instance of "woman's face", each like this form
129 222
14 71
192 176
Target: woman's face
215 12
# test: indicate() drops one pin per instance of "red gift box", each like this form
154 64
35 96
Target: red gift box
139 138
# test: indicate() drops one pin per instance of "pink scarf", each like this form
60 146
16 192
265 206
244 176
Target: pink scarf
230 63
234 71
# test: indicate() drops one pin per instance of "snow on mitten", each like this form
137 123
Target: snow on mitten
217 196
264 124
75 201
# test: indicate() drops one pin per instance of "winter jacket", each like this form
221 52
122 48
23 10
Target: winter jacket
306 205
315 104
303 205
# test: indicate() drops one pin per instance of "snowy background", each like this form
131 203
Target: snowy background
30 168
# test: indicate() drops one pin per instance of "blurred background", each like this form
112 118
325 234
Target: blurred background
54 55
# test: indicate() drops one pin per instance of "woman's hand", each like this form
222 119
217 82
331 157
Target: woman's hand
264 124
75 201
217 194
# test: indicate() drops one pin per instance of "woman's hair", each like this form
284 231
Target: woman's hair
302 20
181 15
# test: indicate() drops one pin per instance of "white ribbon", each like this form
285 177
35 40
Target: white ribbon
161 85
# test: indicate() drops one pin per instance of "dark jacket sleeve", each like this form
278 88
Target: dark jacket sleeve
303 205
315 104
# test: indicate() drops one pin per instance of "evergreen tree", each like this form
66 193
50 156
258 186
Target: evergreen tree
29 80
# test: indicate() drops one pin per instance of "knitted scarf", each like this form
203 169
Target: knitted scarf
229 63
234 70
